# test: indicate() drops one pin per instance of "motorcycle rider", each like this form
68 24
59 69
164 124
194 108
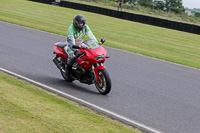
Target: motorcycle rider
75 36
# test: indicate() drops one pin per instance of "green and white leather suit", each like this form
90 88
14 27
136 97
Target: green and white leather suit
76 37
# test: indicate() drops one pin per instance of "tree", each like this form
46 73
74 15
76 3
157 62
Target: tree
159 4
165 5
174 5
197 14
146 3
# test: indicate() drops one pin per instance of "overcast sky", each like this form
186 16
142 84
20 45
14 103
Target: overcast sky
191 3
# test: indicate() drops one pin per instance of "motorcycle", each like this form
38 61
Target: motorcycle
88 66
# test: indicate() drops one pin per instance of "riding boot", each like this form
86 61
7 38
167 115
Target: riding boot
69 66
68 71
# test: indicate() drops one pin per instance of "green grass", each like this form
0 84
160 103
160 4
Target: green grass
25 108
166 44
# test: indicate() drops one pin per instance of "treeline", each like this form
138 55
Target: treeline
164 5
196 12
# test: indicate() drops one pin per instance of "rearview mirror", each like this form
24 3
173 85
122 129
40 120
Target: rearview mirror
103 40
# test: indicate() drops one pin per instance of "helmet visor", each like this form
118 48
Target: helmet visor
80 23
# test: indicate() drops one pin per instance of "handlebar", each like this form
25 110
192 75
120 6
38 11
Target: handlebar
76 47
81 54
83 46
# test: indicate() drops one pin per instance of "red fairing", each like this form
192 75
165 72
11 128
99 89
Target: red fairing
89 60
96 52
59 51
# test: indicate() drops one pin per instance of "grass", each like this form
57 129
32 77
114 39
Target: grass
26 108
166 44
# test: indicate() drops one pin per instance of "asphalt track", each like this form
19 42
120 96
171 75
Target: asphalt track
155 94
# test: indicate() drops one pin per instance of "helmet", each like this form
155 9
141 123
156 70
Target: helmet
79 19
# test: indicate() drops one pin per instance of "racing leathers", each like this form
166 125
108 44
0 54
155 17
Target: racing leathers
75 37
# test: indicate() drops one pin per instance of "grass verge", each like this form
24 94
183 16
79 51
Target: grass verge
26 108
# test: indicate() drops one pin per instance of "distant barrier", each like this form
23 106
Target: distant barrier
191 28
44 1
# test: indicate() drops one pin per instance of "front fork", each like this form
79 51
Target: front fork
96 67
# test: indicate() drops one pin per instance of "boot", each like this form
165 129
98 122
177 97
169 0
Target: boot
68 69
69 66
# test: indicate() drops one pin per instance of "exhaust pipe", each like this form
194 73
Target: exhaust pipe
57 63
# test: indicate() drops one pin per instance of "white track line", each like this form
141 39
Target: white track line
107 112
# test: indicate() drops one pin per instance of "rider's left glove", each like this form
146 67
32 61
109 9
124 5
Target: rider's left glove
83 46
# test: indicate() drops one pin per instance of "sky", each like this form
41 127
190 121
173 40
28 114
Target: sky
191 3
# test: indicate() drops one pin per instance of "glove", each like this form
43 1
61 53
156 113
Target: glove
76 53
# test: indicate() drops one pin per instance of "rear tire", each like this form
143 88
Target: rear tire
104 83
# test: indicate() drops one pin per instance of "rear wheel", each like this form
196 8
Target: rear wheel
104 83
65 77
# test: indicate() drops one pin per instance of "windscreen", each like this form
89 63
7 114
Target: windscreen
92 44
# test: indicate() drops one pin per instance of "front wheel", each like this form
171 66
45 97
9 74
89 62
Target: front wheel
104 83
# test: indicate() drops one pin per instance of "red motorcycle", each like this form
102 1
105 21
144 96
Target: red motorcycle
88 67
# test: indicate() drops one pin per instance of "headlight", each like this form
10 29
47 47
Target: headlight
100 57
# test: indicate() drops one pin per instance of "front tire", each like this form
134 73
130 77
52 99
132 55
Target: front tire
104 83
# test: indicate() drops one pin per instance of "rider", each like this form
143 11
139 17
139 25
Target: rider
75 35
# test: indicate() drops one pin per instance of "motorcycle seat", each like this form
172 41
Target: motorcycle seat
61 44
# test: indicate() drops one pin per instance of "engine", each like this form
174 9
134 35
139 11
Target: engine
77 70
84 76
